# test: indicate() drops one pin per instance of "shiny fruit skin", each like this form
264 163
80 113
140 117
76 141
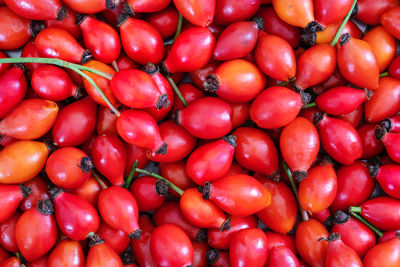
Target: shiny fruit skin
206 118
248 248
68 253
22 160
141 41
340 140
200 13
318 190
256 151
236 41
75 123
385 101
30 119
221 239
211 161
356 59
239 195
200 212
266 109
275 57
296 13
281 214
75 216
123 214
299 143
109 157
339 254
382 212
13 87
239 81
67 167
192 50
35 234
354 184
310 249
101 255
170 246
384 254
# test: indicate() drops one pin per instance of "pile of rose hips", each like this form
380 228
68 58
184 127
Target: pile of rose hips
279 147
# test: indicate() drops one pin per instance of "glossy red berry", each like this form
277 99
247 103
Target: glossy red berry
248 248
211 161
206 118
239 195
191 50
75 216
118 208
69 167
170 246
339 139
139 128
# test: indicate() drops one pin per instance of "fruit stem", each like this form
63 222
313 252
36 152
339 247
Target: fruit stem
176 90
54 61
18 255
354 209
108 102
344 22
75 67
373 228
384 74
304 214
310 105
152 174
98 179
178 27
284 83
115 66
131 173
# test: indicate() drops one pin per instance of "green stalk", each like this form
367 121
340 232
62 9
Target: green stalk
115 66
108 102
355 209
131 173
341 27
54 61
178 27
373 228
98 179
304 214
284 83
176 90
155 175
310 105
75 67
384 74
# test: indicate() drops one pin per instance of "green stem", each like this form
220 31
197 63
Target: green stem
178 27
115 66
354 209
310 105
284 83
131 173
108 102
373 228
384 74
177 189
98 179
304 214
75 67
176 90
54 61
341 27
